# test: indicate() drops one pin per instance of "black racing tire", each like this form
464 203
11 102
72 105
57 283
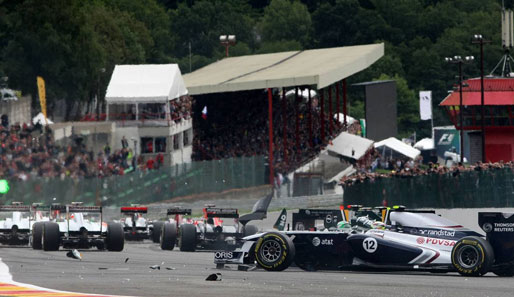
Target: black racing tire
115 237
250 230
187 237
37 236
507 271
274 251
156 231
51 237
168 236
472 256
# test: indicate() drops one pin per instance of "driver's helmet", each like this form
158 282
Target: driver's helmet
343 225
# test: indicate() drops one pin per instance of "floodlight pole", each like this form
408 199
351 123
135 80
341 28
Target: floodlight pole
459 60
344 102
322 115
330 114
297 123
310 119
478 39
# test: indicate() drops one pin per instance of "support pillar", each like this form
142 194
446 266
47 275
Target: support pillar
284 124
344 103
270 129
330 114
322 115
337 104
310 118
297 124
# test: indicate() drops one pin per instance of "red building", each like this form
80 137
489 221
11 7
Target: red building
499 117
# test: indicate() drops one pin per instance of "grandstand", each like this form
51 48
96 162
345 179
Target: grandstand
243 120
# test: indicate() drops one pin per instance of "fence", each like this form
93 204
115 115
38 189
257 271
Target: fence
144 187
470 189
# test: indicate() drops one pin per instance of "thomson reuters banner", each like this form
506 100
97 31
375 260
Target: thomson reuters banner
425 105
42 95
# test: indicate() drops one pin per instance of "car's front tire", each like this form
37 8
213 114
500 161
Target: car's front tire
274 251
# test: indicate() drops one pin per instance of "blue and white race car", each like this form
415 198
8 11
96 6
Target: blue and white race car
410 240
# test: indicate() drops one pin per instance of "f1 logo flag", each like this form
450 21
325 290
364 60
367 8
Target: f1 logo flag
425 105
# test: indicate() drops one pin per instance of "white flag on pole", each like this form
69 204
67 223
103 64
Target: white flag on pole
425 105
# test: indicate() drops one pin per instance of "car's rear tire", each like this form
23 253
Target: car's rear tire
472 256
51 236
187 237
37 236
168 236
156 231
274 251
115 238
250 230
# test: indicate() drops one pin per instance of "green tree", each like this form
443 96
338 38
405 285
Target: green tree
285 20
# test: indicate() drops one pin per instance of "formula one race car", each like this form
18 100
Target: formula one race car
168 238
77 226
135 225
16 221
412 240
219 229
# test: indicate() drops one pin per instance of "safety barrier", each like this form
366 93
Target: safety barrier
143 187
468 189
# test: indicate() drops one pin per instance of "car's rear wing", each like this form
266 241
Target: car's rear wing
214 212
179 211
20 208
134 209
81 208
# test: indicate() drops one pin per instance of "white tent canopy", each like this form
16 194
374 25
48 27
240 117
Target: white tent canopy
157 83
350 146
424 144
398 146
41 119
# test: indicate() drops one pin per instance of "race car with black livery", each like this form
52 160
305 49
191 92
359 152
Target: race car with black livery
412 240
219 229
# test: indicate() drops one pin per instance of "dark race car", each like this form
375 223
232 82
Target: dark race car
219 229
412 240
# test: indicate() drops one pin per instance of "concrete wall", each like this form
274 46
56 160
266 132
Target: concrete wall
19 111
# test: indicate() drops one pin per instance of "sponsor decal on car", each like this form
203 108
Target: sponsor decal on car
316 241
223 255
439 232
503 227
435 241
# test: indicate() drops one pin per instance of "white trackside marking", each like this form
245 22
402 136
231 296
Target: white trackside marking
6 277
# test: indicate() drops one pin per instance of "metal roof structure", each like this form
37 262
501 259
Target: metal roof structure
316 67
497 91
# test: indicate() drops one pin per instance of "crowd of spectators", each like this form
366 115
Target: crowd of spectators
237 126
410 168
28 152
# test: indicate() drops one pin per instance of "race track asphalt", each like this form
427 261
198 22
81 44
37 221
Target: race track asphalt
183 274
